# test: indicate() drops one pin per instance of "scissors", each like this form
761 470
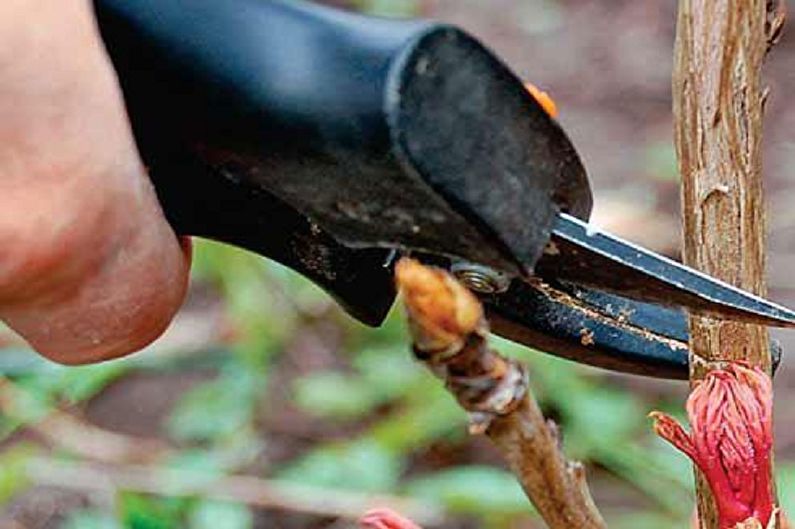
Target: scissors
335 143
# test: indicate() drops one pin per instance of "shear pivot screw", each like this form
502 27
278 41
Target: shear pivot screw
480 278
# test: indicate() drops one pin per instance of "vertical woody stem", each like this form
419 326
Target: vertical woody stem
718 105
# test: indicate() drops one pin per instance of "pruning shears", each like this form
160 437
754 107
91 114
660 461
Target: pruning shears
334 142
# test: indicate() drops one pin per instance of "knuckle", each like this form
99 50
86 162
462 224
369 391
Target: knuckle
48 251
98 289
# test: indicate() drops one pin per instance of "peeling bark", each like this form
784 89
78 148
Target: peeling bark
718 107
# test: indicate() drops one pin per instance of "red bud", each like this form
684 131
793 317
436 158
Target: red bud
385 519
730 415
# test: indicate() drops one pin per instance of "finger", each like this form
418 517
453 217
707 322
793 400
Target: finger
89 267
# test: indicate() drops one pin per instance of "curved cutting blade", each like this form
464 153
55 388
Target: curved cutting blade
578 253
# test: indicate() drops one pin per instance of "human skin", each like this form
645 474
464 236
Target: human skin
89 267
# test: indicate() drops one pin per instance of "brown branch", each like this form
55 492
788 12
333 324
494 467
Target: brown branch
109 469
449 333
78 437
718 106
249 490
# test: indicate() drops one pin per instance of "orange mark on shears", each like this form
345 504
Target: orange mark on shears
543 99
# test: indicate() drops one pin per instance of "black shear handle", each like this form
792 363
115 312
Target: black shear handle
286 127
270 79
210 85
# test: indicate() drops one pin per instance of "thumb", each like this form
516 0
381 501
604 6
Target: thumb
89 267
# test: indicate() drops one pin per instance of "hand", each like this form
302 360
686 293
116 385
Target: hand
89 267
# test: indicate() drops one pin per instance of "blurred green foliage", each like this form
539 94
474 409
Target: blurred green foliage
391 409
474 489
91 519
229 399
786 486
392 412
388 8
142 512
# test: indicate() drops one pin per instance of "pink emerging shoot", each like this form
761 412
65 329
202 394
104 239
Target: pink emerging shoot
730 415
386 519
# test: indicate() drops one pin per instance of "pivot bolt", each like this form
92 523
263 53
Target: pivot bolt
480 278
